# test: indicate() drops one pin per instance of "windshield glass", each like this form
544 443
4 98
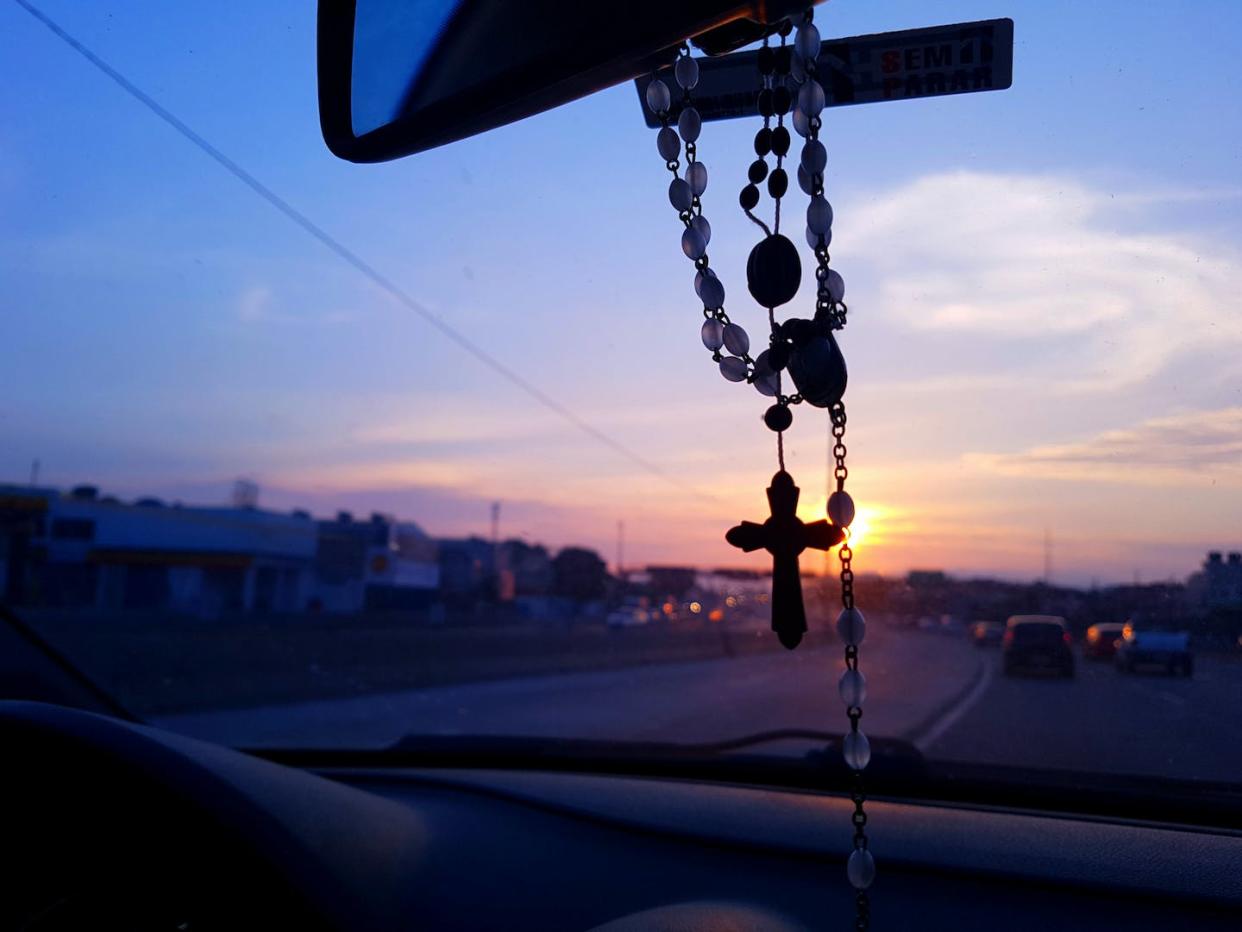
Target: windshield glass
300 453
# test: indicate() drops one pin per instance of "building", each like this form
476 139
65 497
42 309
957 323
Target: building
374 565
1218 585
81 550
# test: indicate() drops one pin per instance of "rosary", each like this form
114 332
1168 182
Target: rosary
805 349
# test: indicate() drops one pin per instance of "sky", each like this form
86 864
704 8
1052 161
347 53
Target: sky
1043 283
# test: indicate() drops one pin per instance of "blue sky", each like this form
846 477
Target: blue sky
1043 286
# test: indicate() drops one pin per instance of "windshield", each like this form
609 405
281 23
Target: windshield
300 453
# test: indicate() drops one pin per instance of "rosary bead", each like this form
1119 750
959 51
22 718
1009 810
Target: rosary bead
692 243
749 197
818 369
811 98
700 277
815 240
736 339
764 102
668 144
778 417
773 271
768 385
679 194
819 215
807 42
778 183
860 868
767 60
851 626
836 286
733 369
853 688
763 142
814 157
841 509
782 59
780 141
758 171
703 228
696 177
856 750
781 99
712 292
797 67
801 122
778 356
804 179
712 334
798 330
687 72
689 124
658 96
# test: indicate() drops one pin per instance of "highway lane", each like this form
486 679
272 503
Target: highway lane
909 682
1106 721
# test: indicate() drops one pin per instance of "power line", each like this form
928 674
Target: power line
346 254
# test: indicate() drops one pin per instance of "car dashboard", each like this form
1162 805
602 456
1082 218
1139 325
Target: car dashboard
121 825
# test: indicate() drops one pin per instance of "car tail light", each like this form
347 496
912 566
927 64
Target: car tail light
1007 639
1066 638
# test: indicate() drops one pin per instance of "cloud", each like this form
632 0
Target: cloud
1048 263
258 305
1198 446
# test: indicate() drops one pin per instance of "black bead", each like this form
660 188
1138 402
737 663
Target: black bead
758 171
773 271
780 141
763 142
767 60
749 197
786 27
818 370
784 56
778 417
765 102
797 330
781 100
778 183
778 356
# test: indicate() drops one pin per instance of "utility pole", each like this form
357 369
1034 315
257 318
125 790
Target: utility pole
620 548
34 472
1047 557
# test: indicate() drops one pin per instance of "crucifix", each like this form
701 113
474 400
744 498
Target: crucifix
785 535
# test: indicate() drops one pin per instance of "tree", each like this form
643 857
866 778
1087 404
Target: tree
579 574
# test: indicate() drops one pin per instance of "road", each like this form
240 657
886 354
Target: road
938 691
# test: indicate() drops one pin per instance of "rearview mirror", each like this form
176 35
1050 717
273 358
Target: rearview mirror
400 76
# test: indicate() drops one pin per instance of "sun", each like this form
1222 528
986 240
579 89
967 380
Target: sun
862 528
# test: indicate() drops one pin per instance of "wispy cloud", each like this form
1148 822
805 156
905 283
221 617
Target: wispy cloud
1199 446
1024 258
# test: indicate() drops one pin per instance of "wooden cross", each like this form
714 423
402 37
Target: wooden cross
785 535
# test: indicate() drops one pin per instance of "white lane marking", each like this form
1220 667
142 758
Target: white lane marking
951 718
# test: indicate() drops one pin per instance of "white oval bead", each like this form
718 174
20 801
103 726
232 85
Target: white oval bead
814 157
856 750
679 194
689 124
736 339
658 96
853 688
851 626
801 123
814 240
836 285
687 72
712 334
704 228
819 215
807 42
797 67
811 98
804 180
712 292
668 144
700 277
692 243
841 509
733 369
768 384
860 869
762 366
696 177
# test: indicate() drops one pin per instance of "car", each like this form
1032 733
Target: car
987 633
628 615
1037 643
1166 650
1101 641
